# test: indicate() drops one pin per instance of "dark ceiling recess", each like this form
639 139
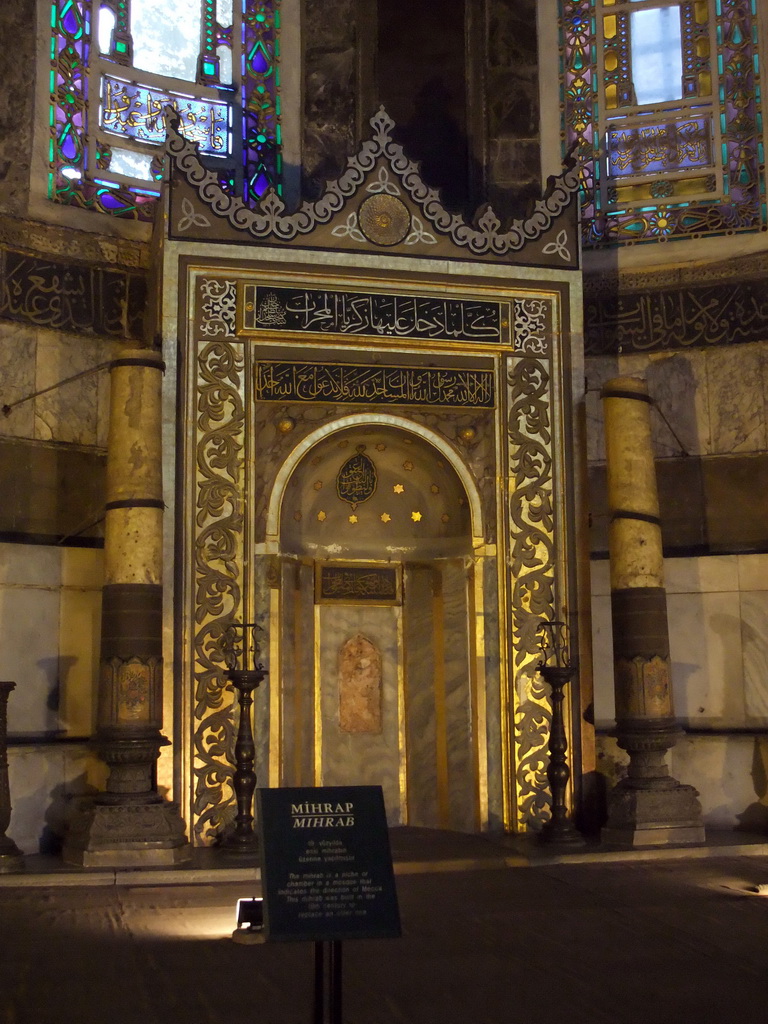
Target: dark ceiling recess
421 80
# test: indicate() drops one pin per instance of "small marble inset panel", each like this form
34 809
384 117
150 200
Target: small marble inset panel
133 690
359 686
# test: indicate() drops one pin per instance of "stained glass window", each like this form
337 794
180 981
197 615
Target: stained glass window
662 103
116 68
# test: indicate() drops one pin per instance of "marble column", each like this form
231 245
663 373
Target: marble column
130 823
648 807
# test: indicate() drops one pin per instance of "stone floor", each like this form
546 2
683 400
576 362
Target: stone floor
494 932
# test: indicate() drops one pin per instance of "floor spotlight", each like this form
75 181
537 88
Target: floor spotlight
250 920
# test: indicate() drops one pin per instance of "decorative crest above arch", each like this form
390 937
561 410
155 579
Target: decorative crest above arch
379 203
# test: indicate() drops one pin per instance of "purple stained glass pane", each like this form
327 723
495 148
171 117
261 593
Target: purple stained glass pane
111 201
259 62
71 23
68 147
260 184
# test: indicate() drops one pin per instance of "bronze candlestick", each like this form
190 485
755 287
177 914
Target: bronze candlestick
559 830
244 680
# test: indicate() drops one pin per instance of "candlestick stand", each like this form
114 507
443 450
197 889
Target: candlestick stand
244 839
559 830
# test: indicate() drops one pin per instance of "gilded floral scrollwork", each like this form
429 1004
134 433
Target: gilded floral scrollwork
532 570
218 562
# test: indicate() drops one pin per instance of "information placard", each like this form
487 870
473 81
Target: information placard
326 866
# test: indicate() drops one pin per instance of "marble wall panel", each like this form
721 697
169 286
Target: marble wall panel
679 385
602 660
737 411
458 706
295 691
495 706
753 571
714 399
718 622
754 640
82 567
70 412
598 370
79 644
722 769
30 565
713 574
360 758
43 781
420 698
18 345
600 577
705 649
30 656
50 611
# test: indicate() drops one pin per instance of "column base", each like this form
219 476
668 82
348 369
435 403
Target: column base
127 835
665 815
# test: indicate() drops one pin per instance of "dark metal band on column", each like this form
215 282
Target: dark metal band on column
608 392
155 363
131 658
640 627
641 654
132 620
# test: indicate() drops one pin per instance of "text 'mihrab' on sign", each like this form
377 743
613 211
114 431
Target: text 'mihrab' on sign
326 864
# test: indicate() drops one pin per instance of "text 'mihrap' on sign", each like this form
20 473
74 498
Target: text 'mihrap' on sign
326 864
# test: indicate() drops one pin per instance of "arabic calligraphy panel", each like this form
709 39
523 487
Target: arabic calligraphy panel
71 296
375 315
357 584
663 146
138 112
675 318
348 383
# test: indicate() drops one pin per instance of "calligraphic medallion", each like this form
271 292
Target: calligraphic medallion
384 219
357 480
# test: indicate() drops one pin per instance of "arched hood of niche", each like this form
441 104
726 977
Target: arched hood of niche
378 487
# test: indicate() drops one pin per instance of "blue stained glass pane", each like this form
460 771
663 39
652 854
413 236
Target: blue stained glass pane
657 55
138 112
